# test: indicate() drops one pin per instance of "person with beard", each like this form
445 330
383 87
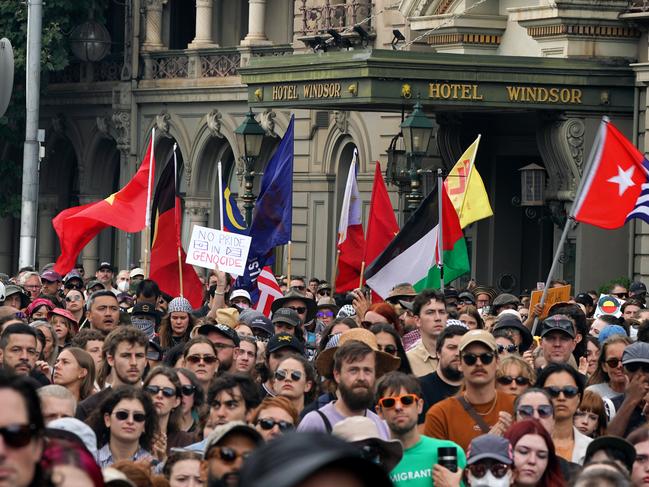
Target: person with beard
447 379
399 404
225 340
225 450
356 364
479 408
429 308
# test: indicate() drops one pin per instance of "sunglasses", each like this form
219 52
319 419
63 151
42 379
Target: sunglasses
621 295
404 399
391 349
208 359
268 424
613 362
324 293
635 366
71 299
508 379
325 314
17 435
166 391
544 411
471 358
137 417
508 349
228 455
298 309
78 287
282 374
479 470
188 390
568 391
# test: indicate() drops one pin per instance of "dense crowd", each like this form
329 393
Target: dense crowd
106 380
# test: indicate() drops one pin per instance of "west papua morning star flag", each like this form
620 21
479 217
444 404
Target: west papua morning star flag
616 187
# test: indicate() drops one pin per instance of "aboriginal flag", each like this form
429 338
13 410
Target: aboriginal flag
165 244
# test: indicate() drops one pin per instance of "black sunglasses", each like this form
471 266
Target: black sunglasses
508 379
485 358
508 349
568 391
613 362
228 455
479 470
635 366
391 349
137 417
77 287
544 410
166 391
208 359
17 435
268 424
298 309
281 374
188 390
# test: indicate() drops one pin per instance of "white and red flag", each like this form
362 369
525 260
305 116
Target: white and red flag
616 187
269 291
351 242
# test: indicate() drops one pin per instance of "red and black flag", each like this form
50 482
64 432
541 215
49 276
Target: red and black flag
167 266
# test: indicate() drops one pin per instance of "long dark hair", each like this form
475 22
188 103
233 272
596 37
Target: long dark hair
401 352
166 334
176 414
96 421
599 376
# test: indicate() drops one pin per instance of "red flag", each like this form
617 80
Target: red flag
125 210
613 185
165 223
269 291
351 241
382 225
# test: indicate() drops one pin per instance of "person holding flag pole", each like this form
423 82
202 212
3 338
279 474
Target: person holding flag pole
611 190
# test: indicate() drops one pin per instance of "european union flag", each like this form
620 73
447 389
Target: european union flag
272 217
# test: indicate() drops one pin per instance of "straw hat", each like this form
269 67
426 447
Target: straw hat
385 362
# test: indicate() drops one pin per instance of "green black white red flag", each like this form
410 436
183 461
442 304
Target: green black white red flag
412 254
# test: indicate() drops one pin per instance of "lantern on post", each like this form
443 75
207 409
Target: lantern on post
532 185
250 136
90 41
417 130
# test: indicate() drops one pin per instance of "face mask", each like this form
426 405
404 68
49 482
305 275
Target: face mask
633 333
123 286
490 481
146 326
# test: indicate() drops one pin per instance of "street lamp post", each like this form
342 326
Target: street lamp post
250 135
417 130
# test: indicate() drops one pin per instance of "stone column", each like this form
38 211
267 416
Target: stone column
196 213
256 18
204 37
153 32
47 205
90 253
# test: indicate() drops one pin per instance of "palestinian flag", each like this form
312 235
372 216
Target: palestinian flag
412 256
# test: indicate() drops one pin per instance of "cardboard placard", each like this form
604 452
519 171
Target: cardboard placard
608 305
210 248
555 295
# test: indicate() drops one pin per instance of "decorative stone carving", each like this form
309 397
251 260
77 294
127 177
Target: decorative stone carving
341 118
161 124
561 143
103 126
58 123
122 125
267 121
214 123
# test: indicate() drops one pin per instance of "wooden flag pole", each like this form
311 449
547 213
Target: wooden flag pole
180 271
333 283
147 217
222 196
360 279
288 265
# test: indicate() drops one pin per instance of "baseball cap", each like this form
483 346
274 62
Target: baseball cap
105 265
240 293
262 323
288 316
490 447
146 309
480 336
585 299
285 340
609 442
51 276
226 429
80 429
609 330
94 283
224 330
637 352
138 271
468 296
73 274
558 323
637 287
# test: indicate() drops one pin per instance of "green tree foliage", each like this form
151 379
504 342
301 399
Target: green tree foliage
59 18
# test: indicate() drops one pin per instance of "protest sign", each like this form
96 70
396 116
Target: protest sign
555 295
608 305
209 247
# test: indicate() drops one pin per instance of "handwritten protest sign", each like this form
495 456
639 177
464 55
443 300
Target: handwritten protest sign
209 247
608 305
555 295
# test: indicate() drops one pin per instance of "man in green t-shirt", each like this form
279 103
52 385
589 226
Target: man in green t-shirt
399 403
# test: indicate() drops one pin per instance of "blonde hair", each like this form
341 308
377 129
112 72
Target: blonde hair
523 366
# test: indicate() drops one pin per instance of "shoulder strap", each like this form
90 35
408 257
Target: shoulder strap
472 412
325 420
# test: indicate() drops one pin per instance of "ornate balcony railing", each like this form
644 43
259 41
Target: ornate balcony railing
108 69
333 14
638 6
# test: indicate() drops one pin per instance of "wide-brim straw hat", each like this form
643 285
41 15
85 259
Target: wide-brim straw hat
385 362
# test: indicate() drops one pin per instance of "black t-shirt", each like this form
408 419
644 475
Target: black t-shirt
434 390
636 419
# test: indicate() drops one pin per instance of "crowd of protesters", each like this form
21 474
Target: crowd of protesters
107 380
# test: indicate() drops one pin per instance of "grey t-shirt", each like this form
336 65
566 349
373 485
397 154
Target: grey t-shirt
603 389
313 421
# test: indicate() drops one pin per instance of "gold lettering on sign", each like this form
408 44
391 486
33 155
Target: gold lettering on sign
454 91
322 90
540 94
285 92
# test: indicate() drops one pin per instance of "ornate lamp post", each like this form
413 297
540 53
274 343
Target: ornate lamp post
250 135
417 130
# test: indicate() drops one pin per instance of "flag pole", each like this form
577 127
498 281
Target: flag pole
440 231
570 216
288 265
468 175
221 194
336 267
177 221
147 217
360 280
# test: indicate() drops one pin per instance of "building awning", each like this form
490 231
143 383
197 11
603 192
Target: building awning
386 80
